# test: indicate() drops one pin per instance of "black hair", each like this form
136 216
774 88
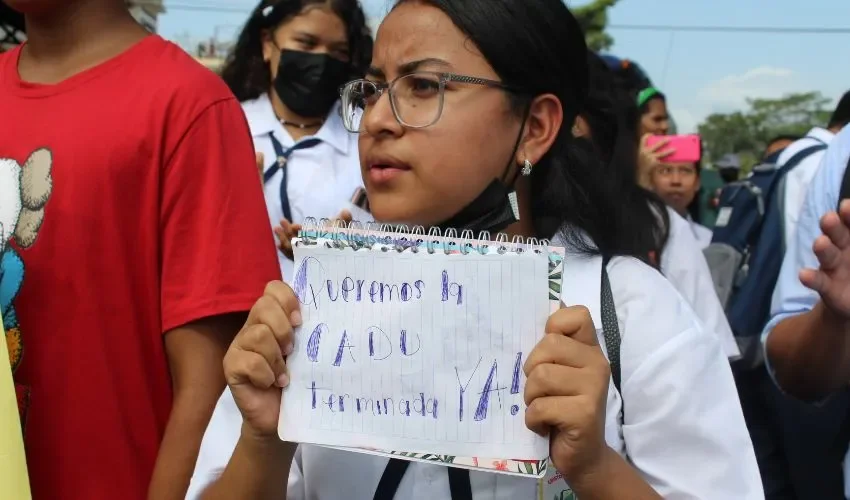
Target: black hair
249 76
611 113
778 138
841 115
538 46
694 209
644 108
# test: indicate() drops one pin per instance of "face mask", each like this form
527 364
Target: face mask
308 84
495 208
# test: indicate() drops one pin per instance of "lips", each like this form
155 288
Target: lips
382 170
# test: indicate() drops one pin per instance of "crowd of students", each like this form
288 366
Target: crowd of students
138 258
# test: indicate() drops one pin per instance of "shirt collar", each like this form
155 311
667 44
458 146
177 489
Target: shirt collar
821 134
262 120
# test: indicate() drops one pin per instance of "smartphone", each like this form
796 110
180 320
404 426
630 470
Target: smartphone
686 148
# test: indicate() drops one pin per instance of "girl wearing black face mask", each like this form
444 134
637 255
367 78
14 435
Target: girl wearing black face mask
286 69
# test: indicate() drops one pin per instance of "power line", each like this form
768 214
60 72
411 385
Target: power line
207 6
732 29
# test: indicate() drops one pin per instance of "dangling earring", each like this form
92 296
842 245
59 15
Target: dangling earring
526 168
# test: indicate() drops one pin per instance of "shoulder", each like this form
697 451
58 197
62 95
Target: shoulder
185 87
647 305
260 115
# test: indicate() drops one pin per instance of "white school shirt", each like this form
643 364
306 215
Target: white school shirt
684 429
797 180
684 265
701 233
321 180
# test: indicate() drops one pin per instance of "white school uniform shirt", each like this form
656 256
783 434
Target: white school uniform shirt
701 233
321 180
684 429
684 265
797 180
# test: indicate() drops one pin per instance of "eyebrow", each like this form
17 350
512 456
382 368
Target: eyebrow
410 67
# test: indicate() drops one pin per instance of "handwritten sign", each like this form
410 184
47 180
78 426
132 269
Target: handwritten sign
420 352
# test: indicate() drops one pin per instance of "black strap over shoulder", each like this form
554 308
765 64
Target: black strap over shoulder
845 185
459 485
610 325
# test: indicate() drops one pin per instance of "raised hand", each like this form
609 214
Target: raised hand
255 364
287 230
650 158
832 248
566 392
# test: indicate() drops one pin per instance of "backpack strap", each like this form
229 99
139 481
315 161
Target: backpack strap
845 185
459 485
610 325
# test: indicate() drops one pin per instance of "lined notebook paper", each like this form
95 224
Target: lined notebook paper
416 343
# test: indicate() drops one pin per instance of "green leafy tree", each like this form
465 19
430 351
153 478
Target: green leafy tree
747 132
593 18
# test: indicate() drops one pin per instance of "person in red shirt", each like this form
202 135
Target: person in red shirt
136 242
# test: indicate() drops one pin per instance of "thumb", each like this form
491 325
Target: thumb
345 216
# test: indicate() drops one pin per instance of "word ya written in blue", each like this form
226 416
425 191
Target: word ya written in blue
311 288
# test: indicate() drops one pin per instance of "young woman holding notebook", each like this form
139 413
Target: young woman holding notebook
464 121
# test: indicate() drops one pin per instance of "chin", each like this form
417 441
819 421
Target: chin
395 209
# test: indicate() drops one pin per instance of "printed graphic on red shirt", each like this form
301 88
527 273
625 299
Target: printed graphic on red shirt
24 191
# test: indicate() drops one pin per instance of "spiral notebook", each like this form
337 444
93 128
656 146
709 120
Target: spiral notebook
413 342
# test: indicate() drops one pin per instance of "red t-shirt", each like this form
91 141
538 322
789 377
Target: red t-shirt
144 173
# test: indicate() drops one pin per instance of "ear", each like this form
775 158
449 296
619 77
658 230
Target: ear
268 46
545 119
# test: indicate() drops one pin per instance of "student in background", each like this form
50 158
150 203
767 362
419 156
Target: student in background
143 240
608 121
286 69
678 185
797 179
806 338
653 119
498 85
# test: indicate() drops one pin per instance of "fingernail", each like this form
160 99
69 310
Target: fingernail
295 318
282 380
288 349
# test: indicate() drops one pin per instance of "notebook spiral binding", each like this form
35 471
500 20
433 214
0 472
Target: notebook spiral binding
401 238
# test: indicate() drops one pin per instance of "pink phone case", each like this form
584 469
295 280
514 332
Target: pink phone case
687 148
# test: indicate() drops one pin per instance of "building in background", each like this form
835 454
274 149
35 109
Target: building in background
146 12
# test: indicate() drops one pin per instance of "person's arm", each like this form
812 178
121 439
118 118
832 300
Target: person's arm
195 352
683 264
810 353
258 470
806 345
613 479
217 255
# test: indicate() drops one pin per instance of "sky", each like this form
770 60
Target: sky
701 73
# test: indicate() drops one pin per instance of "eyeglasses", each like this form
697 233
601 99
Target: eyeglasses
415 98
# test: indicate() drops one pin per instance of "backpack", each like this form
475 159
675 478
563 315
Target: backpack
747 249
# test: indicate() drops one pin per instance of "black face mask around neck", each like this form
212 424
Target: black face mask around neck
308 84
493 210
496 207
